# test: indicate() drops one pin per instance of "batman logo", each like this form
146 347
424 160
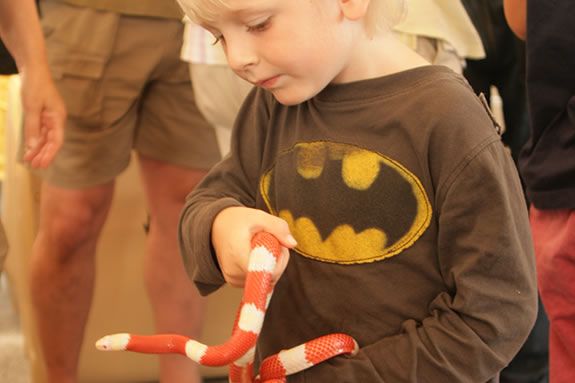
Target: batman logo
345 204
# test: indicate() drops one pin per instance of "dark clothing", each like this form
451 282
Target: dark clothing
502 67
412 229
531 364
547 162
7 64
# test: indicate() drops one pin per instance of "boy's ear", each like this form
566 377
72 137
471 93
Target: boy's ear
354 9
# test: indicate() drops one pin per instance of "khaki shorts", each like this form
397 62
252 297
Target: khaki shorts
125 88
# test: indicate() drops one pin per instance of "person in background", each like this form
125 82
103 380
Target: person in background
547 164
504 68
385 180
116 64
43 108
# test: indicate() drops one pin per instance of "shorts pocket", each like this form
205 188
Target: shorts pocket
79 43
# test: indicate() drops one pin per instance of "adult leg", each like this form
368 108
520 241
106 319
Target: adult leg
62 272
177 306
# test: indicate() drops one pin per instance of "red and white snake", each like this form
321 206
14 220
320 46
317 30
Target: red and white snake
239 350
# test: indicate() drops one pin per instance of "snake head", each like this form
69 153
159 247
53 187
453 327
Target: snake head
116 342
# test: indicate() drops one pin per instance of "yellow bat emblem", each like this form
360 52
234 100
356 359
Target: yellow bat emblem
314 184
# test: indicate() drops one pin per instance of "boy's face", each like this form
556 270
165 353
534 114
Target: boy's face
291 48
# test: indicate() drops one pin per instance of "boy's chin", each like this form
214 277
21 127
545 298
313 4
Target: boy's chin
290 98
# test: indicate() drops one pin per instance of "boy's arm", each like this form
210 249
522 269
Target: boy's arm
232 182
44 110
516 16
485 254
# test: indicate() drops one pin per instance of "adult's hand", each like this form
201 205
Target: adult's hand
44 117
44 110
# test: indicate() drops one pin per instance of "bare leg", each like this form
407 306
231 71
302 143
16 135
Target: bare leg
177 306
62 272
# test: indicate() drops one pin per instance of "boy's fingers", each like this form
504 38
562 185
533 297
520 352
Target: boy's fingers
281 266
236 282
280 229
234 277
289 241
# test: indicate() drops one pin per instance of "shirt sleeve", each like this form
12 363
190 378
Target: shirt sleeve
232 182
479 323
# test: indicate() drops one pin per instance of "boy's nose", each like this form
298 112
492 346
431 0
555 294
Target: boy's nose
240 54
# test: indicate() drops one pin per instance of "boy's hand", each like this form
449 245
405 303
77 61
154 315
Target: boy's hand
232 231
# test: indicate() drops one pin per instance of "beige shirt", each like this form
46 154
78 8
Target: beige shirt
445 20
154 8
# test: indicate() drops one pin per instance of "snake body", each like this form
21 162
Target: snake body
239 350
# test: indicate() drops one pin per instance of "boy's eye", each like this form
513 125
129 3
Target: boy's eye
260 27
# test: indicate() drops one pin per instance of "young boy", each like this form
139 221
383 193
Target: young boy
412 232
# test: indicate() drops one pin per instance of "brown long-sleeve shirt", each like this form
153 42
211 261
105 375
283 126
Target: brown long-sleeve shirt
412 229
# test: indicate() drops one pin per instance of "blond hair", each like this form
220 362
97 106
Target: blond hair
381 14
202 11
